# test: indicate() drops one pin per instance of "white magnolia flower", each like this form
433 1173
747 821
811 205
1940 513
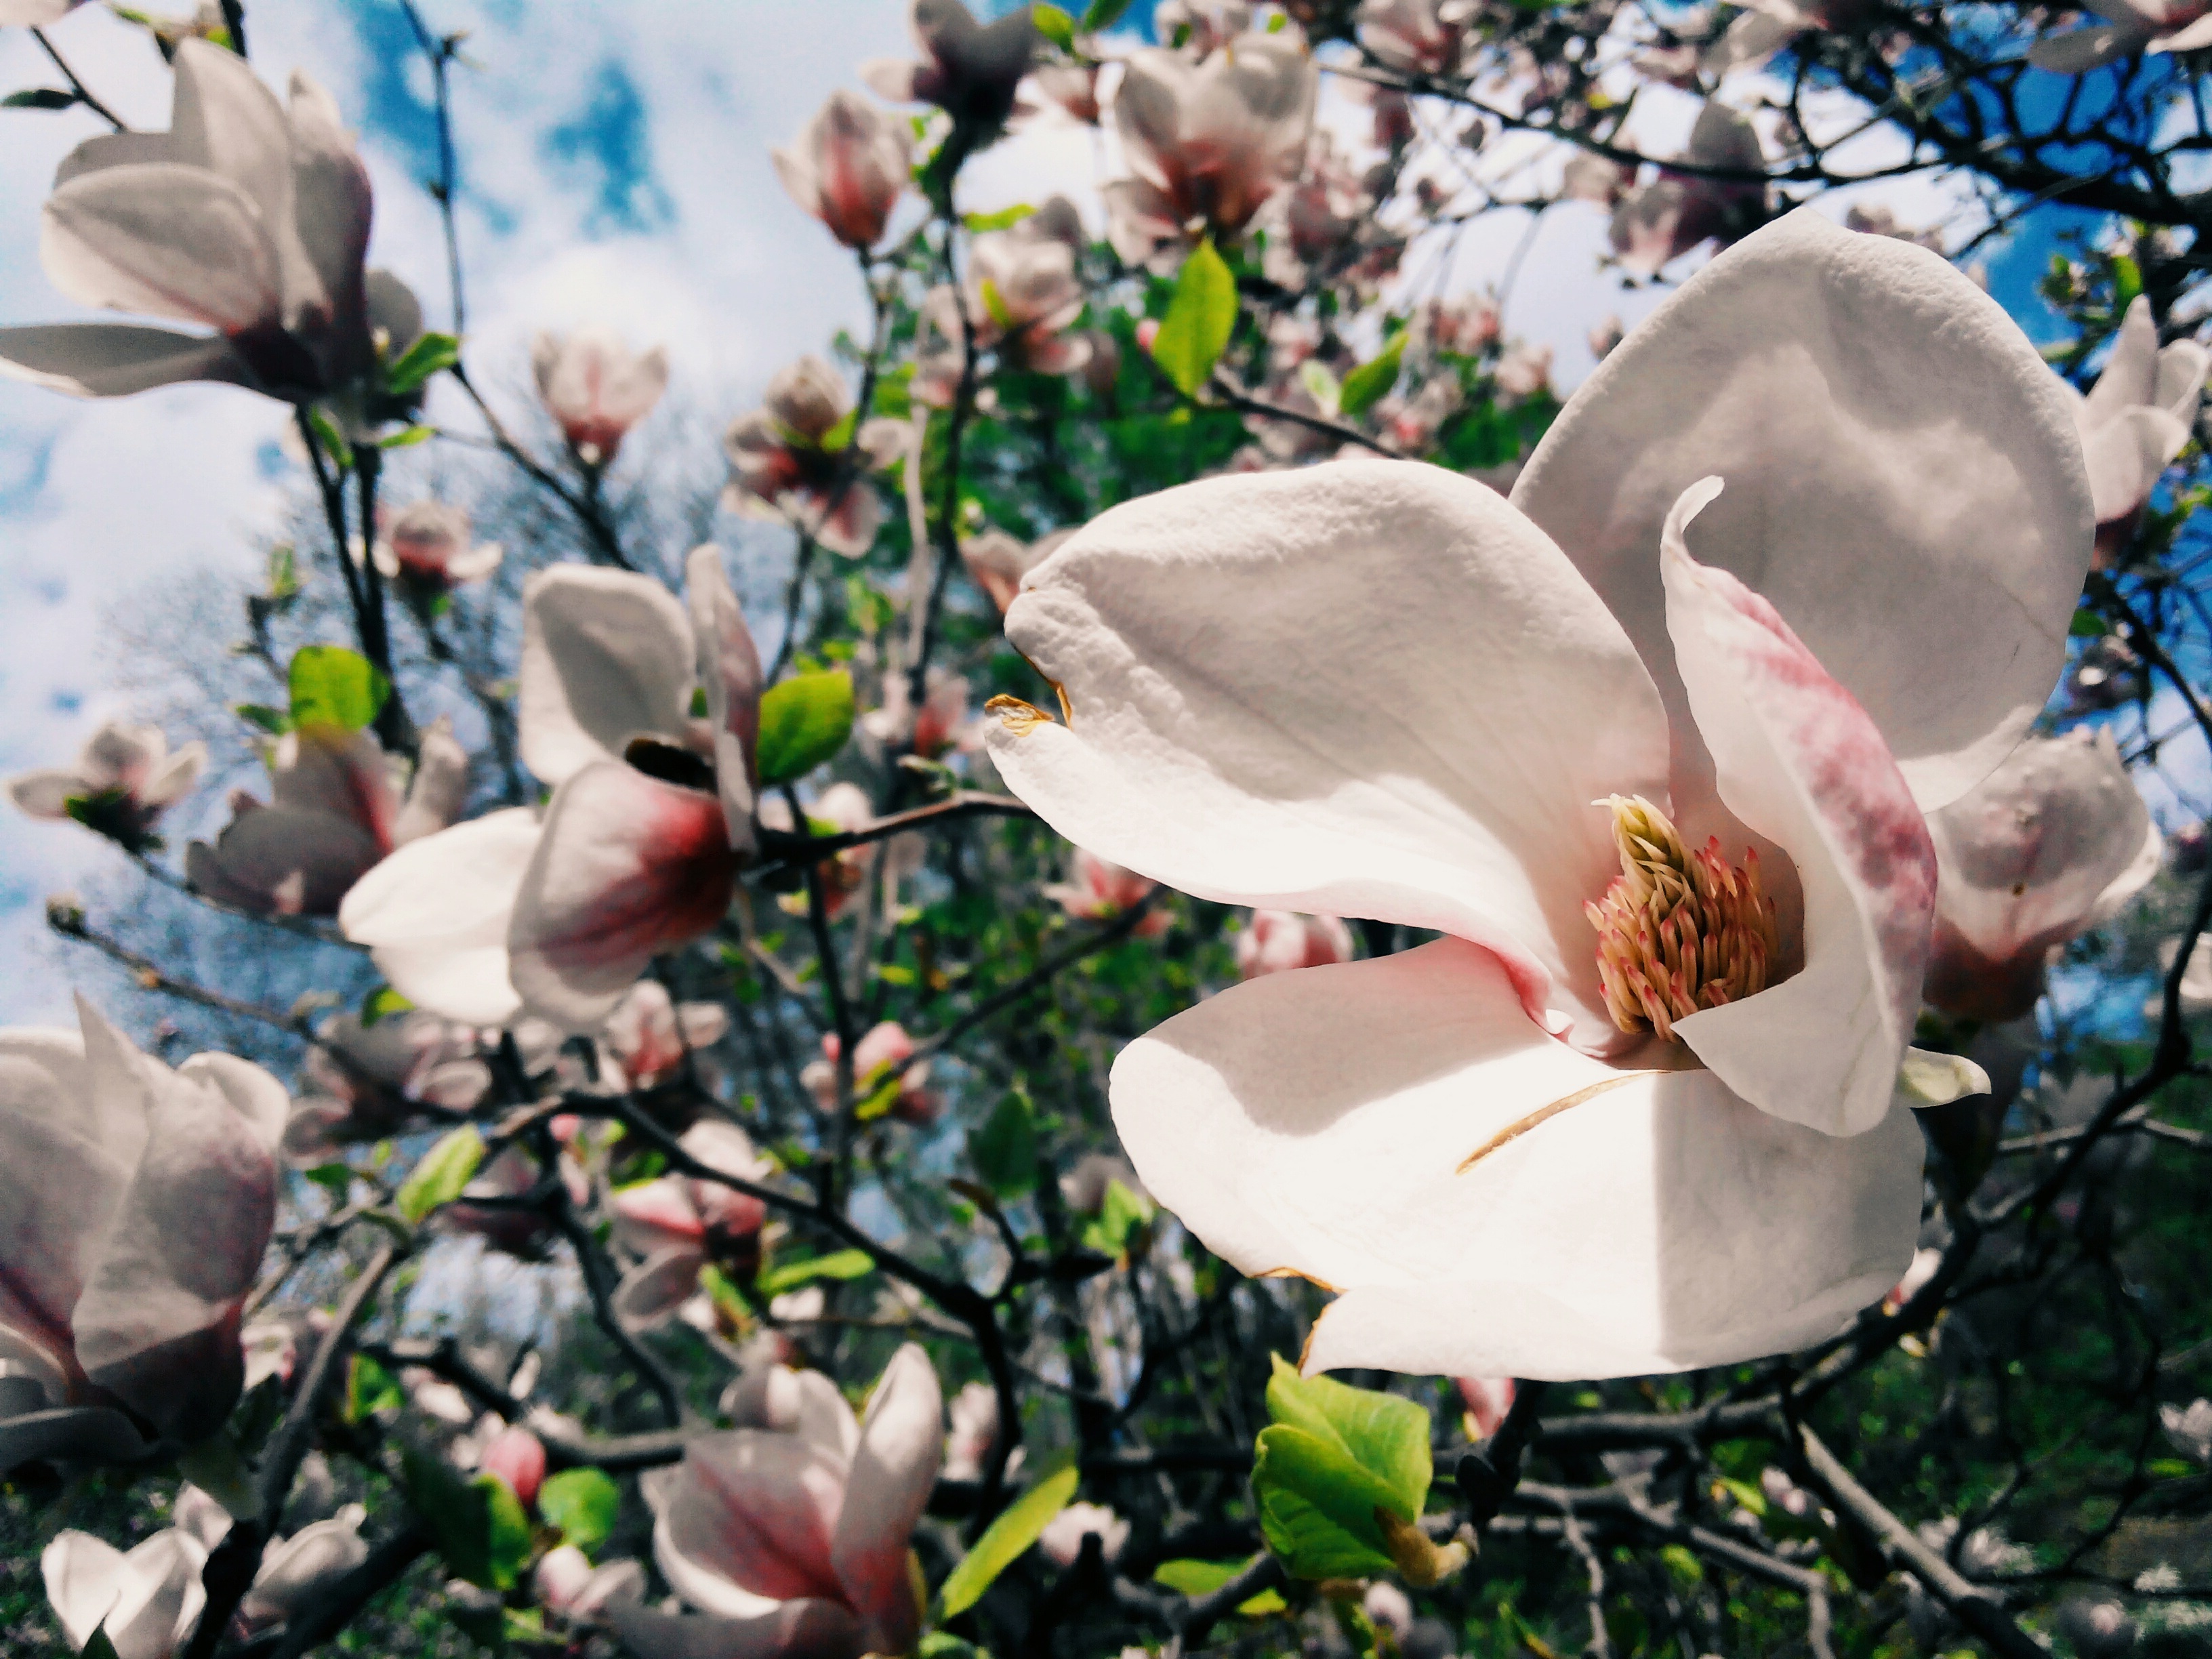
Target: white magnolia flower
596 388
2136 419
1660 221
1374 688
849 167
298 1572
967 68
1061 1541
2190 1428
124 780
148 1602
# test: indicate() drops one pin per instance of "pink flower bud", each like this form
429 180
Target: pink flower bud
518 1457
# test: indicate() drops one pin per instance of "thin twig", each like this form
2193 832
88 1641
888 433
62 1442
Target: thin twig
83 92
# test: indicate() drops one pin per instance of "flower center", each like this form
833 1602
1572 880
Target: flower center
1678 930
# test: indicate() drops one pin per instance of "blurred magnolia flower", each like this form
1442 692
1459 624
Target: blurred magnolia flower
794 1544
138 1206
940 725
2096 1630
676 1225
638 849
997 561
245 218
1785 1494
2190 1429
2195 979
1589 176
2053 842
1275 941
1412 424
1674 65
799 458
1488 1399
1322 225
370 1082
884 1048
300 1572
34 14
2107 675
1605 335
1071 89
1879 219
334 812
968 70
1209 143
270 1350
525 1234
124 780
975 1414
147 1603
1767 25
1925 1261
568 1585
516 1457
1389 1608
1523 371
1656 223
1061 1541
2130 27
1199 27
199 1515
426 546
1466 323
648 1036
2135 420
596 388
1732 1178
1420 37
1098 891
1084 1187
848 167
1022 297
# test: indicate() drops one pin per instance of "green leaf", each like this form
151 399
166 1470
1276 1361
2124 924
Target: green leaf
1197 1579
1103 15
336 1179
332 441
995 303
430 353
407 437
334 686
582 1503
2127 281
1005 1150
803 722
441 1172
835 441
507 1533
456 1511
1318 1508
1199 319
1004 219
1121 1213
369 1389
1007 1538
274 721
383 1002
1320 385
40 98
1055 24
2088 625
838 1264
1384 1434
1366 384
877 1092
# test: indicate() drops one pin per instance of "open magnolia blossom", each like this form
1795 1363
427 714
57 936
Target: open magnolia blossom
2130 27
799 459
2053 842
1767 25
638 849
849 167
1275 941
677 1225
247 218
649 1036
137 1204
596 388
1098 889
568 1585
793 1544
882 1049
368 1083
968 70
1021 295
1209 143
1421 37
1636 1112
124 780
148 1602
34 14
1061 1541
1322 227
1199 27
2136 419
997 561
426 546
334 811
1069 89
1658 222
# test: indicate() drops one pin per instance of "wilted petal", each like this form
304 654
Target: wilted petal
435 915
606 656
901 1444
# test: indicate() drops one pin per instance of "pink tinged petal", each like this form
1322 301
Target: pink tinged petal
159 1596
628 867
749 1521
1318 1123
435 915
2195 38
606 656
825 1421
806 1629
1799 762
652 1291
656 1214
158 1323
847 527
51 1228
261 1103
112 360
226 121
518 1457
82 1575
164 240
730 669
901 1444
174 778
1361 688
2181 371
891 79
343 775
1885 430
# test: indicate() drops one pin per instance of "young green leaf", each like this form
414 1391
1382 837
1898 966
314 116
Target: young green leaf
274 721
1005 219
803 722
838 1264
334 686
40 98
455 1510
1201 315
369 1389
581 1505
1365 386
1055 24
1121 1213
430 353
1005 1150
507 1532
1197 1579
1103 15
1321 386
1318 1509
383 1002
441 1172
1384 1434
1002 1543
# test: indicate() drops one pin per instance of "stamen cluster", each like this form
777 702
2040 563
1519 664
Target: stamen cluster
1677 931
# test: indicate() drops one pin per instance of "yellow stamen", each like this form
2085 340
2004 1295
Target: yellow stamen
1678 930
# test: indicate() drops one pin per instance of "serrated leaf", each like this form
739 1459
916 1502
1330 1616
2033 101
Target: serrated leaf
1197 1579
1384 1434
1317 1507
1365 386
1005 1150
1055 24
803 722
506 1536
425 357
582 1504
1200 319
838 1264
334 686
40 98
440 1173
1004 1541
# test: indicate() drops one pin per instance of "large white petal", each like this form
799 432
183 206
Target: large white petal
435 915
112 360
895 1464
606 655
163 240
1318 1122
1904 484
1363 689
